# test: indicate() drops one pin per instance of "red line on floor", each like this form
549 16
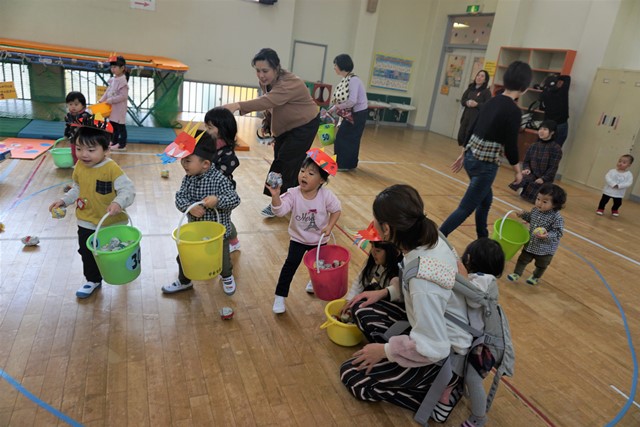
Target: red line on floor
26 184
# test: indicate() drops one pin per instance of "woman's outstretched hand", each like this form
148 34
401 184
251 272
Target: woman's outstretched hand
369 297
458 164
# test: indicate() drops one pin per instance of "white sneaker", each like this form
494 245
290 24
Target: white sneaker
278 305
309 287
234 247
229 285
176 287
87 289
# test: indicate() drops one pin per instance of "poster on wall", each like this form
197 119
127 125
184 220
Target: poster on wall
390 72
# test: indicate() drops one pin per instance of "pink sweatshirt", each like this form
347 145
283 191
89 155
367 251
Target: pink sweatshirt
308 217
116 95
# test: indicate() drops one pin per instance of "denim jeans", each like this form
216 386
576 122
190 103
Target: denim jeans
561 133
478 196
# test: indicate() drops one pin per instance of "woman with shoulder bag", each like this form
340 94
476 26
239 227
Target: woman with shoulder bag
349 102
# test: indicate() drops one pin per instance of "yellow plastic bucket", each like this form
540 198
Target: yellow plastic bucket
120 266
327 133
102 108
512 235
200 247
62 157
344 334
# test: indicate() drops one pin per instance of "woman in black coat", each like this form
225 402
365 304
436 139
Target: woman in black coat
472 99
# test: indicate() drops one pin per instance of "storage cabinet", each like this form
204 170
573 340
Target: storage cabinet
543 62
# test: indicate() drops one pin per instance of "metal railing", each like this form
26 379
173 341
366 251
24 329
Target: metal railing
200 97
19 75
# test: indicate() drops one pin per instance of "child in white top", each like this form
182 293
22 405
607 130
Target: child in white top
314 211
617 182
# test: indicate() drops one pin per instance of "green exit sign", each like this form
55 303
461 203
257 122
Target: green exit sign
473 8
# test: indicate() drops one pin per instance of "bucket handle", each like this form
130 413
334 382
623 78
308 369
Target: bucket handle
184 215
326 324
318 251
94 241
502 223
58 140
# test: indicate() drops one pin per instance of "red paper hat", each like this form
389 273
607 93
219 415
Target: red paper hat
185 142
93 122
370 233
322 159
113 57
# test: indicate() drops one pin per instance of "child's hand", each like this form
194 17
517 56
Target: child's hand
520 214
327 230
114 209
197 211
539 181
210 202
275 192
526 172
56 204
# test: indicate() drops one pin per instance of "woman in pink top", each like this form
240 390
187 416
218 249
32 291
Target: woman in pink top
116 95
314 211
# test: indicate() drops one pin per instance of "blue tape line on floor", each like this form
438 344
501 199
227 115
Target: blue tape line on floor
634 379
37 401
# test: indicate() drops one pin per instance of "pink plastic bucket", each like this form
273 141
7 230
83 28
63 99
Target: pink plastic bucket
332 283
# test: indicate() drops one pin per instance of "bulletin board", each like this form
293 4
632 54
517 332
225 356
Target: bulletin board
391 72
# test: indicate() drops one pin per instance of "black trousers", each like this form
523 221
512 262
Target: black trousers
119 134
347 145
291 264
89 265
617 202
290 150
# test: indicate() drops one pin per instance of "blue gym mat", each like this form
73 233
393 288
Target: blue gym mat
43 129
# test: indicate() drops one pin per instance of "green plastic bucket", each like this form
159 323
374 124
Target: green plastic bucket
512 235
62 156
120 266
327 133
200 247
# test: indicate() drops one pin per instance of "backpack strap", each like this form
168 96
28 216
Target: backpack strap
433 395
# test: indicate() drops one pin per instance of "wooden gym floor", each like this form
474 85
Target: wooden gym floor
130 355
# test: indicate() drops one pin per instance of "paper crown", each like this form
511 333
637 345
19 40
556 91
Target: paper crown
113 57
363 237
322 159
96 122
183 145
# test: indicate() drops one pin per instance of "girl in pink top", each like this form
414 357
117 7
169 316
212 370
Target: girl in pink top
314 211
116 95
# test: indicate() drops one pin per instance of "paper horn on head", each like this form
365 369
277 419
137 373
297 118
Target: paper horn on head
183 145
96 121
363 237
325 161
113 57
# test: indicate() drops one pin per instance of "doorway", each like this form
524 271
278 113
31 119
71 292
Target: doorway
461 59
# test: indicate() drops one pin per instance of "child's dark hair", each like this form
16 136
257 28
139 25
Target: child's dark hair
549 124
401 208
392 259
518 76
484 256
76 96
308 161
558 195
344 62
90 137
628 156
224 120
205 148
120 62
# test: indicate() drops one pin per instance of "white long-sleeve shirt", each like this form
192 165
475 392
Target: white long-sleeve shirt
622 179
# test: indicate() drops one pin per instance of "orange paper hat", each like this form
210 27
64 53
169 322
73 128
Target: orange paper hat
322 159
113 57
370 233
185 142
